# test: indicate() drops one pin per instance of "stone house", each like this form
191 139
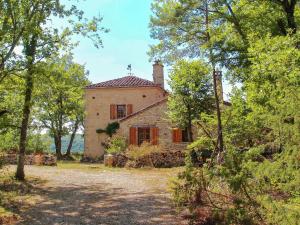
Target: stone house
138 105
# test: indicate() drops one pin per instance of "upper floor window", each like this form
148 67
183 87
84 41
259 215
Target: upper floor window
121 111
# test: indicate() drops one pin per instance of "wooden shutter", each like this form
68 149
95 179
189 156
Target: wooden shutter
113 111
133 136
154 135
177 135
129 109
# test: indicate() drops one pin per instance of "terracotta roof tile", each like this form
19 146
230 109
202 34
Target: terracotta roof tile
128 81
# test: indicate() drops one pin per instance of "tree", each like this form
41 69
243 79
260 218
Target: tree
60 99
40 41
219 32
191 93
14 19
257 42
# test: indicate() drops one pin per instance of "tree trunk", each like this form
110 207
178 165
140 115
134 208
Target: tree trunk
30 50
68 153
189 125
289 8
220 145
57 142
220 130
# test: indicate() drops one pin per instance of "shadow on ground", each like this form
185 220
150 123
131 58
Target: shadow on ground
97 205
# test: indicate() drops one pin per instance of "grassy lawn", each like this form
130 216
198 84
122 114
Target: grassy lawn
15 196
95 167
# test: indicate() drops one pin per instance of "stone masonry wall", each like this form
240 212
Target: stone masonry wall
42 159
97 109
155 116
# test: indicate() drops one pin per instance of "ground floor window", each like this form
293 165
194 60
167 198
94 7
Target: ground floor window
180 135
143 135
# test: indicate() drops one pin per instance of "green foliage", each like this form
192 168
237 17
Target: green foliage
257 43
23 24
116 144
77 147
38 143
191 93
110 129
60 96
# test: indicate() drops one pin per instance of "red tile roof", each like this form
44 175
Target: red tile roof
128 81
144 109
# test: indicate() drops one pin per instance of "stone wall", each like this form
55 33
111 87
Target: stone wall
41 159
159 160
157 117
155 159
97 109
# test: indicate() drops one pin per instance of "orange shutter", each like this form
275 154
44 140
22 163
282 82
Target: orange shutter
133 136
154 135
113 112
129 109
177 135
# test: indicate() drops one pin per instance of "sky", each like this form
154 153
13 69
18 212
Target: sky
127 42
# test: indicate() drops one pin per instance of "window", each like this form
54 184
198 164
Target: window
180 135
143 135
121 111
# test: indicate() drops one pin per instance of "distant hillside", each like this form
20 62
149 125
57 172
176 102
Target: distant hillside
78 144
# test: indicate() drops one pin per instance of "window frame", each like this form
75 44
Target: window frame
123 113
146 135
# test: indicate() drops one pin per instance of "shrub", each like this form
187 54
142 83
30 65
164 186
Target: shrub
145 149
116 144
38 143
245 189
110 129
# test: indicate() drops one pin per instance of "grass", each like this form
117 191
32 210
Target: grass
93 167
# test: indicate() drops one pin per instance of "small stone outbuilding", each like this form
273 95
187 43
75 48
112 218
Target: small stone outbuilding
152 125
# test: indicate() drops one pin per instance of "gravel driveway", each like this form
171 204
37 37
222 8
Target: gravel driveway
73 196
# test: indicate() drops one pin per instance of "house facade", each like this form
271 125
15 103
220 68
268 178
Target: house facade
138 105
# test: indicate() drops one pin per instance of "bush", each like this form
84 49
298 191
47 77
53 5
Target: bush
116 144
145 149
38 143
245 189
110 129
148 155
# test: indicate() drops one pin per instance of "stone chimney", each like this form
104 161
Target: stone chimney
158 73
218 76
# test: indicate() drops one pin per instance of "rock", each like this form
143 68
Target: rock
109 160
165 159
86 159
120 160
38 159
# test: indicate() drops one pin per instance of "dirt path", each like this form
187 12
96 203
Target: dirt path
100 197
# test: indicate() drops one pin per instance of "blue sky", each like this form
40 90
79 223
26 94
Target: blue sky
127 42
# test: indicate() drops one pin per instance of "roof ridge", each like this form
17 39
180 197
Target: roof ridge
126 81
